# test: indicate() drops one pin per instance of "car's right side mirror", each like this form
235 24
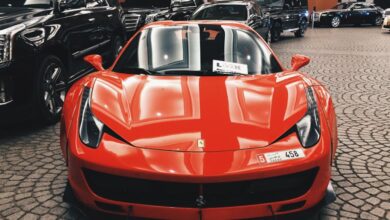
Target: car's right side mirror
299 61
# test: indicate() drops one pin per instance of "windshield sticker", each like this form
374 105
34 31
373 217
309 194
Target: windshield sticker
228 67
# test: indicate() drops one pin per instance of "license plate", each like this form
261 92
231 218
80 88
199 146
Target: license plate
279 156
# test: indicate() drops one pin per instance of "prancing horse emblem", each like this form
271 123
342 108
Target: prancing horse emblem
201 143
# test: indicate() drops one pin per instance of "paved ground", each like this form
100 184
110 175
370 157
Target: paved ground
355 65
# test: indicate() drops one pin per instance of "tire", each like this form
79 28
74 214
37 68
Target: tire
335 22
276 32
378 21
302 29
50 89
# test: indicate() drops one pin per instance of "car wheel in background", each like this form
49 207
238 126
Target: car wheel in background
335 22
378 21
276 32
301 31
50 89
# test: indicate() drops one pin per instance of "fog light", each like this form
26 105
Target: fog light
5 92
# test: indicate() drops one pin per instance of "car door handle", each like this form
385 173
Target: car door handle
109 15
91 19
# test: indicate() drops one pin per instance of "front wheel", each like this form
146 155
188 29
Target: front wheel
50 89
378 21
301 31
335 22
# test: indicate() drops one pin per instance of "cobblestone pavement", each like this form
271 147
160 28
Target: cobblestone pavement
355 65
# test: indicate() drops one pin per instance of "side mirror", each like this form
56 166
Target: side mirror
299 61
95 60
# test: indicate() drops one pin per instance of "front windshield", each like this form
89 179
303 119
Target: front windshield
222 12
26 3
270 3
197 50
342 6
146 3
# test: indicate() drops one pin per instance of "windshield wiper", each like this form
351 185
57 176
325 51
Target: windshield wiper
202 73
141 71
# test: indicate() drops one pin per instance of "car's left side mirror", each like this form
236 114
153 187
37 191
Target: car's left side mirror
299 61
95 60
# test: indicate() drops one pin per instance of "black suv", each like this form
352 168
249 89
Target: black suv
140 12
42 45
243 11
286 16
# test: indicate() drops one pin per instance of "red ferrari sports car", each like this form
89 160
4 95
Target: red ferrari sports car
199 120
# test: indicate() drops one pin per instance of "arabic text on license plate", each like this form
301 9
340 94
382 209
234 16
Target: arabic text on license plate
281 156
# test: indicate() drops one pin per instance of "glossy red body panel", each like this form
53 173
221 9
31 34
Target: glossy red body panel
162 117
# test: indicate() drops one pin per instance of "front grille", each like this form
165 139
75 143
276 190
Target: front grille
197 195
132 21
2 48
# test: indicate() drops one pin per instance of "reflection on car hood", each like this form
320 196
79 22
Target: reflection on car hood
13 16
177 113
331 10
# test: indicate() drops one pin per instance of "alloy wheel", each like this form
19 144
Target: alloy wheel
335 22
54 88
378 21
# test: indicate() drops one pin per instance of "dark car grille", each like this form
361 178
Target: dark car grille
2 48
132 21
205 195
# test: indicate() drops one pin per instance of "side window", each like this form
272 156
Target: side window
75 4
96 3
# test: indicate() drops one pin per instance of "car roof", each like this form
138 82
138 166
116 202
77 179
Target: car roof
231 2
204 22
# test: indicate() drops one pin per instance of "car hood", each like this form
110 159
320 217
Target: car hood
14 16
190 113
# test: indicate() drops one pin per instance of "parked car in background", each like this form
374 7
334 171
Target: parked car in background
286 16
247 12
141 12
386 20
355 13
42 45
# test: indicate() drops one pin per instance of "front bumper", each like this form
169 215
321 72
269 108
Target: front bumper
15 90
121 160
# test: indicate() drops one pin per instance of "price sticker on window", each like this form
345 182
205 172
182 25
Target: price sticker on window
228 67
279 156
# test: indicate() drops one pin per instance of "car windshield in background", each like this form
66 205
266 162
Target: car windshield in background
222 12
199 50
342 6
146 3
270 3
26 3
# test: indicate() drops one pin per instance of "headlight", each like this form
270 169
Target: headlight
35 36
90 129
6 41
308 128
